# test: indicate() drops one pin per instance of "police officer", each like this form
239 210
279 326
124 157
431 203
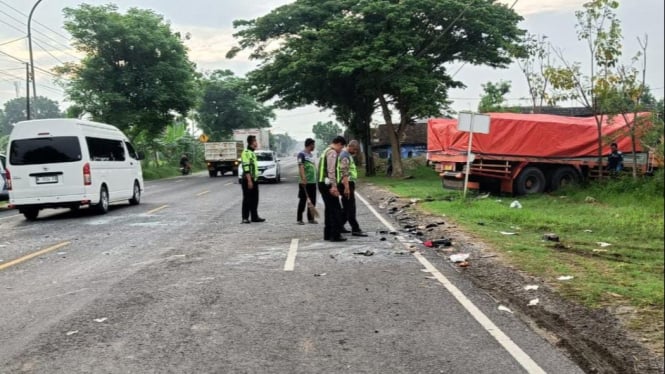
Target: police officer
307 186
328 177
250 186
348 174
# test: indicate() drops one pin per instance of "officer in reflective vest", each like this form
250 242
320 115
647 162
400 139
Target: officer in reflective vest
328 189
348 174
250 186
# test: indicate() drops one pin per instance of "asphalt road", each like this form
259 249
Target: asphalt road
178 285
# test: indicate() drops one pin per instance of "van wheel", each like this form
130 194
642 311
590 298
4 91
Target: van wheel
30 214
136 197
103 206
531 180
564 176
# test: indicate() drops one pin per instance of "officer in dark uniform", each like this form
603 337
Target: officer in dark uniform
250 186
328 177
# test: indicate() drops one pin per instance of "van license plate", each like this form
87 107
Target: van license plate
47 179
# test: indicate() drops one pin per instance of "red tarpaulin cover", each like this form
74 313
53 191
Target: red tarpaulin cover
535 135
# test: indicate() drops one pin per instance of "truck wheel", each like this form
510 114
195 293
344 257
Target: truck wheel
531 180
212 173
30 213
564 176
235 172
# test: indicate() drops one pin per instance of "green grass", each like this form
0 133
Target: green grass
151 172
625 213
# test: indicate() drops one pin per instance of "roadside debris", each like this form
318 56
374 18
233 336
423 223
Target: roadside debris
484 196
587 230
437 242
589 200
565 277
364 253
599 250
69 333
459 257
516 204
603 244
463 264
531 287
505 309
319 274
100 320
534 302
552 237
507 233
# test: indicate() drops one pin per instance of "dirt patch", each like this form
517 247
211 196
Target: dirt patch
597 340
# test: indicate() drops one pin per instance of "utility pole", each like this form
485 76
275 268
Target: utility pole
27 91
32 63
17 88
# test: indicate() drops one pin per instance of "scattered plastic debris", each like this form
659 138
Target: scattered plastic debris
534 302
516 204
100 320
319 274
463 264
531 287
459 257
550 236
484 196
603 244
383 239
587 230
589 199
430 277
507 233
565 277
505 309
425 271
61 253
437 242
69 333
364 253
600 250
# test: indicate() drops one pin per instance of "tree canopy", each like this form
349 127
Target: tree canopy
352 56
135 73
326 131
226 104
15 111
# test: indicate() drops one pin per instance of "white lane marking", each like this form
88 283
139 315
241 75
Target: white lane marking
513 349
291 257
202 193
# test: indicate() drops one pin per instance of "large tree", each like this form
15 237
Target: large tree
15 111
226 104
135 73
354 57
326 131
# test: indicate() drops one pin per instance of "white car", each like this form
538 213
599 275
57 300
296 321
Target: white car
269 169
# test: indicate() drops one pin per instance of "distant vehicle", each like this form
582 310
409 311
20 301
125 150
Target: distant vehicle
262 137
4 193
221 157
55 163
269 168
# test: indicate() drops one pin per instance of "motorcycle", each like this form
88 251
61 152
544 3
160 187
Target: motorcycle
186 169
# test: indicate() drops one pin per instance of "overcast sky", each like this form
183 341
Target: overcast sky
210 24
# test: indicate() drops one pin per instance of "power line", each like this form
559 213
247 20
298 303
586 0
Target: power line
12 26
50 54
37 22
13 41
13 57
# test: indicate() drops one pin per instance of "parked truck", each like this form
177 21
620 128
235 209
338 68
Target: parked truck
221 157
262 137
529 153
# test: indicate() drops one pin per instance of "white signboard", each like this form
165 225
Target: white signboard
471 122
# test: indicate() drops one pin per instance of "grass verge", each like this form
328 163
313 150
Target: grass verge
624 213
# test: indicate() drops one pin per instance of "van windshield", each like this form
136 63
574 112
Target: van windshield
45 150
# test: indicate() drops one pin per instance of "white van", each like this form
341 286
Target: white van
55 163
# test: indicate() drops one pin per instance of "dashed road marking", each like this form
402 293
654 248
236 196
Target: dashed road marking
513 349
291 257
202 193
33 255
157 209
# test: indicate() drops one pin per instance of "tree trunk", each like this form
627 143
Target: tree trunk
599 126
398 170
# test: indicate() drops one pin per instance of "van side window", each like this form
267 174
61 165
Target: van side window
105 149
132 152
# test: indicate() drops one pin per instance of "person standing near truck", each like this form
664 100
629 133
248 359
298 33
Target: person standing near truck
615 159
328 189
307 186
250 185
348 174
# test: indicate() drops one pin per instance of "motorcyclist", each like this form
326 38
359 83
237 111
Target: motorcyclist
184 164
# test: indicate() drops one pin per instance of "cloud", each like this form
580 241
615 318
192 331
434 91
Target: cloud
528 7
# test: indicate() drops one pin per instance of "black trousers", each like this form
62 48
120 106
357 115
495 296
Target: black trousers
250 200
310 188
349 206
333 215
